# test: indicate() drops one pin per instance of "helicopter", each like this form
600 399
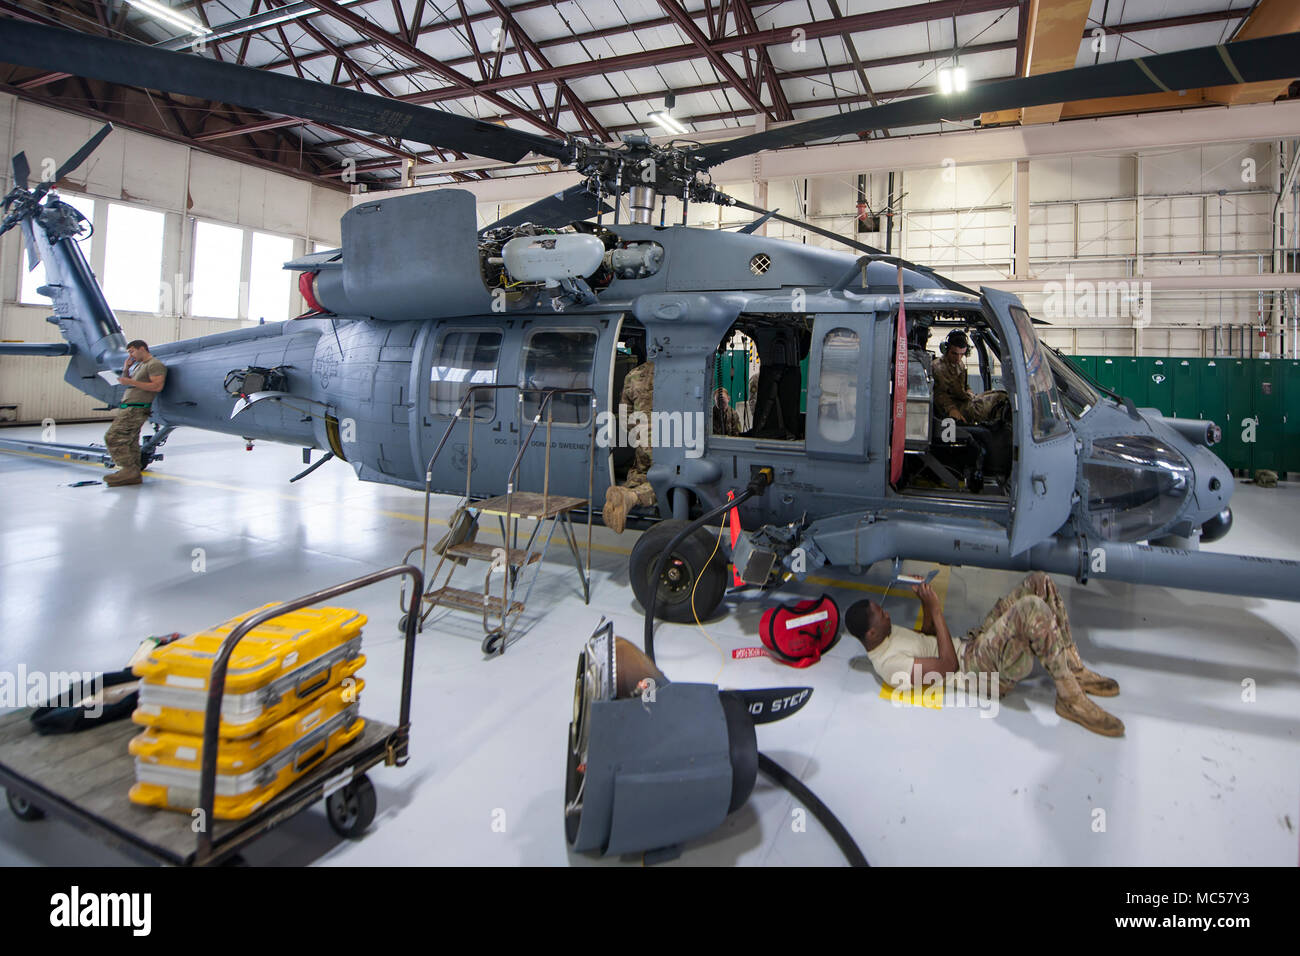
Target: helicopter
419 307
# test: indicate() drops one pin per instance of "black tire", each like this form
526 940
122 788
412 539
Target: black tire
401 624
352 808
689 561
24 809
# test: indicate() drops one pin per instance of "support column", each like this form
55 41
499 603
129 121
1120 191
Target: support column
760 184
1020 215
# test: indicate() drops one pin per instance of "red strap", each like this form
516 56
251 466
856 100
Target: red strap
900 389
735 536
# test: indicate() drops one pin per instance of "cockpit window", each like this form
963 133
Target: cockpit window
1048 419
1079 397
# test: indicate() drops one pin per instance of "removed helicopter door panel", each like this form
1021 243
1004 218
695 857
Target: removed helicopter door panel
414 257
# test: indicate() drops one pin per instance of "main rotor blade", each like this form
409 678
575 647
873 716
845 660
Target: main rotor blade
134 64
1248 61
22 169
79 157
572 205
851 243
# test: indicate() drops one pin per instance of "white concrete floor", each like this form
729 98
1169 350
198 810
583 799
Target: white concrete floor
1202 777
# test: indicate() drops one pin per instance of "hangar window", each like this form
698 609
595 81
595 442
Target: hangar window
36 278
838 404
218 257
133 258
559 359
269 283
464 359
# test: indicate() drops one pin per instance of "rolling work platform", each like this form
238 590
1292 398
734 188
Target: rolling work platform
516 566
84 777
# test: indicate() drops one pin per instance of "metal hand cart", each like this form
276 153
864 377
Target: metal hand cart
84 777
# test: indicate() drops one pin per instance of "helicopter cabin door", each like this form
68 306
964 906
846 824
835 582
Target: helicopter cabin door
1042 479
564 352
837 386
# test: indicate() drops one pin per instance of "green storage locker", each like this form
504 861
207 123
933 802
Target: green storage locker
1133 380
1290 414
1087 363
1238 387
1212 398
1108 373
1159 383
1185 378
1267 406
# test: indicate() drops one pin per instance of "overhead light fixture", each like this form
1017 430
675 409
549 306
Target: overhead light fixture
171 17
667 121
952 80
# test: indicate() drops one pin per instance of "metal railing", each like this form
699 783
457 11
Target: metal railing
509 533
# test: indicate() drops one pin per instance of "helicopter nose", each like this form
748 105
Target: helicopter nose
1217 527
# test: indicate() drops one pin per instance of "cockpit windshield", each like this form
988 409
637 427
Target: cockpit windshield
1077 395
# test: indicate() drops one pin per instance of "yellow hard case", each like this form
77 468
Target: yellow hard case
250 771
277 668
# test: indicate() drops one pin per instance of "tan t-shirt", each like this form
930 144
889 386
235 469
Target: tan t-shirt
893 657
144 372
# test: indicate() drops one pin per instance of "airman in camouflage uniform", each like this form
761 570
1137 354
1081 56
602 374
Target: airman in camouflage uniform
952 395
725 419
1028 623
638 396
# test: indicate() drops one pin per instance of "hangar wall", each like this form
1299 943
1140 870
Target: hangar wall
1195 208
184 184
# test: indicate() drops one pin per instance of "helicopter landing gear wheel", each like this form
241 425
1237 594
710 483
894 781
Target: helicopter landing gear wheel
694 566
24 809
494 643
352 808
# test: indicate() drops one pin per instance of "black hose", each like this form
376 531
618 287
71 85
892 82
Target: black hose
839 834
770 767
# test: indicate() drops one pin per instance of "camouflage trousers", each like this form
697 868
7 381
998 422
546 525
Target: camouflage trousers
637 484
984 407
1028 623
123 437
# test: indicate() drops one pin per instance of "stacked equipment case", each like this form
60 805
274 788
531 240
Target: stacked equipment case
290 701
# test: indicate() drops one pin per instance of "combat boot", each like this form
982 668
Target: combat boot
1073 704
617 502
124 477
1090 682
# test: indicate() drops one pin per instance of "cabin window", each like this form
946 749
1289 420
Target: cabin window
465 359
559 359
837 407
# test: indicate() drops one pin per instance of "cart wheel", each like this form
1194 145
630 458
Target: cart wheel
24 809
494 643
352 808
235 859
401 624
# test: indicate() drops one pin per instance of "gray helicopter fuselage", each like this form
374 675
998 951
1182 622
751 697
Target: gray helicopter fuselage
380 392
